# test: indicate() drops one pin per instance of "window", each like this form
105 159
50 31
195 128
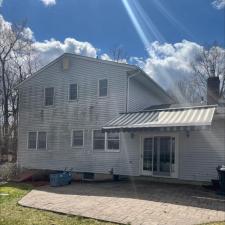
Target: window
73 92
49 96
98 140
42 140
78 138
37 140
103 87
113 141
32 140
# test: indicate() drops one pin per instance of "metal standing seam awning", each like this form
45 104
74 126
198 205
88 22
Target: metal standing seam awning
164 119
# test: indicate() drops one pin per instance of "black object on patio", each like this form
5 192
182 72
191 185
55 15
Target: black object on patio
221 174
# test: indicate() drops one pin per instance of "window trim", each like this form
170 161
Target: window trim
73 100
71 144
98 91
106 145
53 97
37 133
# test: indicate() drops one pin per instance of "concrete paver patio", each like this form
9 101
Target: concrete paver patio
146 203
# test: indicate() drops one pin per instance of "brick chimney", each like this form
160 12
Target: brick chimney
213 88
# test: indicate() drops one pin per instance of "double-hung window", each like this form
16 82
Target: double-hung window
32 140
103 88
113 141
37 140
49 96
77 138
98 140
106 141
73 92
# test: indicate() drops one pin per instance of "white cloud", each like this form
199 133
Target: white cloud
219 4
49 2
168 63
1 1
50 49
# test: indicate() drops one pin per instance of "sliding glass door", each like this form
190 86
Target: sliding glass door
159 156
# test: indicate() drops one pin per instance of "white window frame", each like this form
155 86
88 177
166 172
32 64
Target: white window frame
80 146
36 148
105 142
53 97
72 100
99 88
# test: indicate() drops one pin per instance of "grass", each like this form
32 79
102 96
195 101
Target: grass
13 214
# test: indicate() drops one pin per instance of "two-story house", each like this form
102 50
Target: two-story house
104 117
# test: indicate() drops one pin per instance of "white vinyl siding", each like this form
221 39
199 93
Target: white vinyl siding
49 96
77 138
73 92
103 87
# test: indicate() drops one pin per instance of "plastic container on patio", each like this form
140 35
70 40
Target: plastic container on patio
221 174
60 179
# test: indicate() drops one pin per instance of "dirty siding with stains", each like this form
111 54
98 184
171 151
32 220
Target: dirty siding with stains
87 113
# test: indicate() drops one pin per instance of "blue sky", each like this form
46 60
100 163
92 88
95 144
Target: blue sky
105 23
160 36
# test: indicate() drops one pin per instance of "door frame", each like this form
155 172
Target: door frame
160 134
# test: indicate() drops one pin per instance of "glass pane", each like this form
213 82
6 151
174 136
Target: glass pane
73 92
42 142
103 84
113 136
173 155
32 140
147 156
165 154
78 138
98 134
114 144
99 144
155 158
49 95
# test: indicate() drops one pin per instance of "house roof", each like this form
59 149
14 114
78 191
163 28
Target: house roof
161 118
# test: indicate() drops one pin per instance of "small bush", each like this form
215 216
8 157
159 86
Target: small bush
8 171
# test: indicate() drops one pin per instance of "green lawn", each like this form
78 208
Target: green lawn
13 214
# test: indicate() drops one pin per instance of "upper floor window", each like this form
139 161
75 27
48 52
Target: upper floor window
73 92
37 140
103 87
77 138
98 140
49 96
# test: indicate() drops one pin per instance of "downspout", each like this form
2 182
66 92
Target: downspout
130 74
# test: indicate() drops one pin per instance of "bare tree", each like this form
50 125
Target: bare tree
119 54
15 66
209 62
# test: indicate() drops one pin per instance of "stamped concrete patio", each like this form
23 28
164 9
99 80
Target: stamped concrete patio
128 202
